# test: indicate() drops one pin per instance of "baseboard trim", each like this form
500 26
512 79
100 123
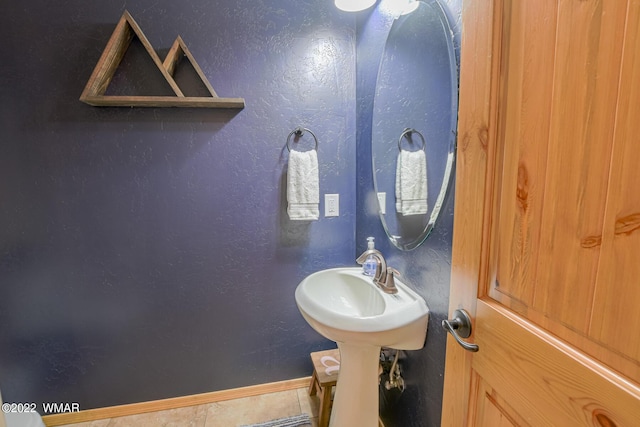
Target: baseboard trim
172 403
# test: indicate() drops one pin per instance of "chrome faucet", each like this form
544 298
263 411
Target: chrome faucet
384 276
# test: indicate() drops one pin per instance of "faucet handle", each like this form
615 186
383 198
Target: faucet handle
389 286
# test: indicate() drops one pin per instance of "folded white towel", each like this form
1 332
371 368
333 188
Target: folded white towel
411 183
303 189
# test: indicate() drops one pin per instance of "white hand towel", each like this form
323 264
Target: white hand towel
411 183
303 190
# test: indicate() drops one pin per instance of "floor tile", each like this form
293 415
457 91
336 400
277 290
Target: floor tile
308 404
191 416
254 409
229 413
96 423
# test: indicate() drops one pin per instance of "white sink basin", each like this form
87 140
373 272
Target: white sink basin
345 306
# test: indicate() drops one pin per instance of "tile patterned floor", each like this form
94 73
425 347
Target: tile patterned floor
229 413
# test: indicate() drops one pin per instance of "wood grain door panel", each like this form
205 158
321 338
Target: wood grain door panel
546 252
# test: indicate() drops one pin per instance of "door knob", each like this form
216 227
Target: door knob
460 327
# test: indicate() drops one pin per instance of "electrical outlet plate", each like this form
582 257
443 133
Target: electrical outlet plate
331 205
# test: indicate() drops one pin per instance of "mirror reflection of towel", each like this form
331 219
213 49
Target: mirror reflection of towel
411 183
303 190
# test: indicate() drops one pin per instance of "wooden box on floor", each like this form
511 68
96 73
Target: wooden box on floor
324 378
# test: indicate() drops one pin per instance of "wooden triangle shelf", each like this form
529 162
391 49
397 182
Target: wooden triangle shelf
125 31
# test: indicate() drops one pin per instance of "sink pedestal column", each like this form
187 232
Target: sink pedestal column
356 400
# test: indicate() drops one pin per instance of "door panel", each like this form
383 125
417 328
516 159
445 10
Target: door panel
546 253
589 38
492 409
618 282
532 368
557 148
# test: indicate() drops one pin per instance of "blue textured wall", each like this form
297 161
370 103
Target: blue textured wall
146 253
426 268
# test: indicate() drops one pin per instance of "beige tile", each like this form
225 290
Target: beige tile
191 416
308 404
231 413
255 409
96 423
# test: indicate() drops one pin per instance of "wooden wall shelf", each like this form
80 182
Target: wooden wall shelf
124 33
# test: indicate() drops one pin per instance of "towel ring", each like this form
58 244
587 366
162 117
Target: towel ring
298 132
409 131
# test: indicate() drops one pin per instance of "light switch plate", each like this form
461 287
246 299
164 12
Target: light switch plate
331 205
382 202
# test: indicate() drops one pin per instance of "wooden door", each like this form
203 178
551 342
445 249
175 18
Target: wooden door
546 252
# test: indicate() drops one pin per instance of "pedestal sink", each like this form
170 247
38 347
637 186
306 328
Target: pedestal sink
345 306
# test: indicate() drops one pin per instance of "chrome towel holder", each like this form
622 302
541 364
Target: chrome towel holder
409 131
298 132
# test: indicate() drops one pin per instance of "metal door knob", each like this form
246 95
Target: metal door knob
460 327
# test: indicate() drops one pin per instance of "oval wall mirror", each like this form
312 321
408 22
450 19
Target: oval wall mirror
414 123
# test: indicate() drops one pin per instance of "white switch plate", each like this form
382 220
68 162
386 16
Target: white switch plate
382 202
331 204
